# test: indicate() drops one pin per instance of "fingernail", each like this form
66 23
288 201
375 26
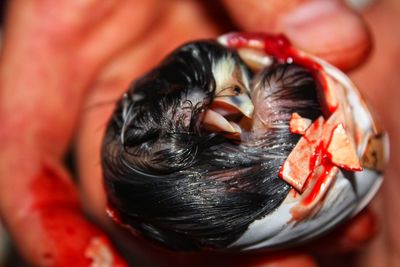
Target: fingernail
311 12
327 29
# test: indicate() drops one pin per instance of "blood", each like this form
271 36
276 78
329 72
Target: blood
282 50
319 146
320 181
327 99
61 230
302 160
49 189
316 157
320 169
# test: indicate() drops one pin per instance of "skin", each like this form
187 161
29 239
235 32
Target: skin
64 63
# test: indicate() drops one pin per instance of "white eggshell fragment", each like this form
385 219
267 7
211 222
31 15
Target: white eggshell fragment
348 193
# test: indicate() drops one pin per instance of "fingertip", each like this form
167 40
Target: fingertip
328 29
286 258
349 237
359 231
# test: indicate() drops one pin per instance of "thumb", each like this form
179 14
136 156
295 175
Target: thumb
328 29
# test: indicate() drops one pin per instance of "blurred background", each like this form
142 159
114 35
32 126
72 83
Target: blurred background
379 80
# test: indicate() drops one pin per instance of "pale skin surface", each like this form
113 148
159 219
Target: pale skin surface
64 63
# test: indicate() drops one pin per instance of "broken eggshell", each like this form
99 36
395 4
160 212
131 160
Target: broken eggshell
333 171
342 193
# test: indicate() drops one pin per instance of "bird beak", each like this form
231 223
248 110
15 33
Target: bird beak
227 107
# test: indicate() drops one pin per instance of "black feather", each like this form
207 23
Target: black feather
181 185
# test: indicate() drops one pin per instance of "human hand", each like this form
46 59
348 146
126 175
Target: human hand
77 58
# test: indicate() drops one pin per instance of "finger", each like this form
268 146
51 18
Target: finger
50 54
350 236
353 235
40 207
274 259
325 28
144 251
181 21
43 87
281 260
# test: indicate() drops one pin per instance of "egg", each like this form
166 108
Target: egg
240 143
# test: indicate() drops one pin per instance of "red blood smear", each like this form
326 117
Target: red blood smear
281 49
50 189
321 179
316 157
319 159
59 226
300 163
315 140
276 45
315 161
326 94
